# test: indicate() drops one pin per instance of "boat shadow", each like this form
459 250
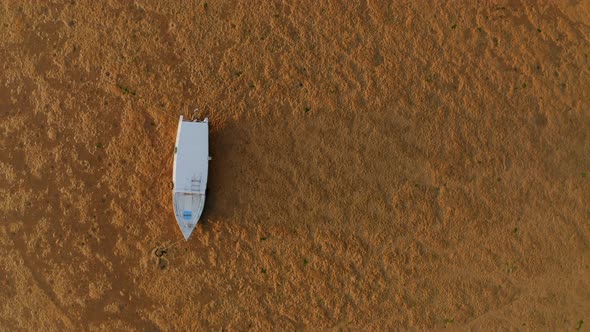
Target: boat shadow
244 169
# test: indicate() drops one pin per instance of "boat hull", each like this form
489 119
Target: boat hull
190 170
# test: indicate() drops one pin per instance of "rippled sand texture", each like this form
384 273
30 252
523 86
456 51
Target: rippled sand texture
375 167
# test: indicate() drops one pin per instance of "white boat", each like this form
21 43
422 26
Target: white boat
189 175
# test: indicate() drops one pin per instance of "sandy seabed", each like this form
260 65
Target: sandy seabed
416 165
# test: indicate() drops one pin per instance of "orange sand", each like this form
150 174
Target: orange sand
375 167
